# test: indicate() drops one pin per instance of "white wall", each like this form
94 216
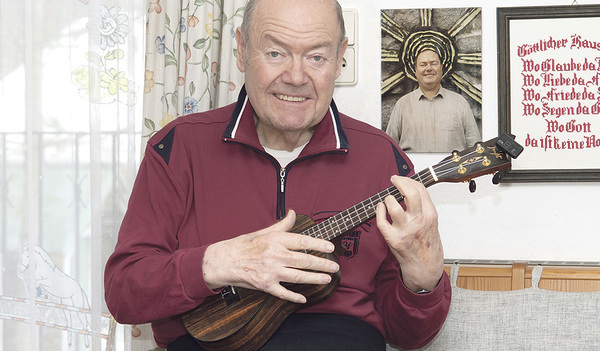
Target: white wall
557 222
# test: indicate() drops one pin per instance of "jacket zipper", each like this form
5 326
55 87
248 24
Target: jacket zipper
281 194
280 210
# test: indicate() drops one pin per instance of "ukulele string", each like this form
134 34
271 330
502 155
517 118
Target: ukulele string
347 219
365 210
469 162
441 169
450 161
352 217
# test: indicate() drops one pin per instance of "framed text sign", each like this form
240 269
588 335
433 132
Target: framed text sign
549 90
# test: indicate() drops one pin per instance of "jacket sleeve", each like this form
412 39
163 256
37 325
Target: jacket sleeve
147 277
411 320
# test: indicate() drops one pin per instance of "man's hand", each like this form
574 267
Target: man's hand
263 259
413 235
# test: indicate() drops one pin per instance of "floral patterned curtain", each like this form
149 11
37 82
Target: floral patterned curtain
190 58
190 67
71 88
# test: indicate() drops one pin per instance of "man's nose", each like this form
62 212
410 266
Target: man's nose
295 73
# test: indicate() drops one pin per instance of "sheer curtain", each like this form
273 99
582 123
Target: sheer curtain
83 84
71 91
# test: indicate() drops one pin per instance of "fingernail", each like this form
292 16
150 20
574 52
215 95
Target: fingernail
334 267
330 247
326 279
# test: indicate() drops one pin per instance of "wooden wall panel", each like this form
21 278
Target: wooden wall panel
484 277
568 278
518 276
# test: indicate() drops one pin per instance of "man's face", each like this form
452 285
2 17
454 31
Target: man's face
428 70
291 62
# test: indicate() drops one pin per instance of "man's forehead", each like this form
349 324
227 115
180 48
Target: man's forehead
279 39
283 26
429 55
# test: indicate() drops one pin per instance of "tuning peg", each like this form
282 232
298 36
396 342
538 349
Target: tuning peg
497 178
472 186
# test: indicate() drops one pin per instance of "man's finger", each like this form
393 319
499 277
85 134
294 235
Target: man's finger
285 294
284 225
411 191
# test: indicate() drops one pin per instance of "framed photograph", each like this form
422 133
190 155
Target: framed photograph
408 39
549 91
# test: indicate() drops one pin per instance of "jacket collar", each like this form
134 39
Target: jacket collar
329 134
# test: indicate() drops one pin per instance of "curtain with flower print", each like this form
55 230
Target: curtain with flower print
190 58
71 88
190 67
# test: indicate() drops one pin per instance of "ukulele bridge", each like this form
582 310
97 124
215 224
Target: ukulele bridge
230 295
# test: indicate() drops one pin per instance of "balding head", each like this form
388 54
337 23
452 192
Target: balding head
251 7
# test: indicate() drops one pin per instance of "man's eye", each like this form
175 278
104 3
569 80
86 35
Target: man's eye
274 54
317 58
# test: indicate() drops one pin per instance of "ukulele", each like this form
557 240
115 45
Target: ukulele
244 319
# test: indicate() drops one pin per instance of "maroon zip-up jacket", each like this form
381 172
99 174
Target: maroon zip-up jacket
206 178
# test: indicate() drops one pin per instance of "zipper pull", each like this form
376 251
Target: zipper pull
282 179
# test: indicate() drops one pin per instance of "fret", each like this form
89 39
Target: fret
357 214
422 174
417 177
352 217
450 169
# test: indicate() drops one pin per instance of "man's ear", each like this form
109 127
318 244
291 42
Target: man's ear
241 50
340 58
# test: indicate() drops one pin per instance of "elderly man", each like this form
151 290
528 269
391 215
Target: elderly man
214 202
432 118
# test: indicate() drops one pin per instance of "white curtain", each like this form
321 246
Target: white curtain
71 91
83 84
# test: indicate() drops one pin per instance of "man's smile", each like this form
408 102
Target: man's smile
290 98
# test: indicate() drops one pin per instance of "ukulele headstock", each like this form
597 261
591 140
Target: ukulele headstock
483 158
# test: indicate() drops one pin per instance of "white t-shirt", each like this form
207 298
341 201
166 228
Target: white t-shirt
284 157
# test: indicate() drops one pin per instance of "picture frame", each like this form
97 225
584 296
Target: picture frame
456 32
549 91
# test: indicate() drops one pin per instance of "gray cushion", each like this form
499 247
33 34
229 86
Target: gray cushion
528 319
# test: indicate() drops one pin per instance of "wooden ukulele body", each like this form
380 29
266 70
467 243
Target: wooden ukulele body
244 319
